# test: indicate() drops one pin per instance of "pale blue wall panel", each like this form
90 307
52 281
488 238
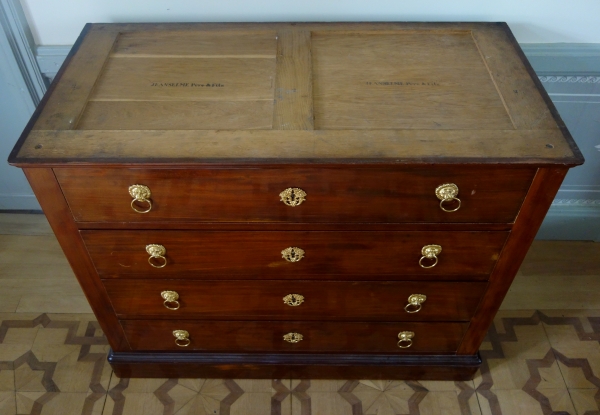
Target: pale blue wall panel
16 106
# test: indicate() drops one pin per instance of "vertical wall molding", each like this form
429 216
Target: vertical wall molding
17 32
570 73
50 59
21 87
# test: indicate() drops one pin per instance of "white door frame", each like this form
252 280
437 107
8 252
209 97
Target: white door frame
21 89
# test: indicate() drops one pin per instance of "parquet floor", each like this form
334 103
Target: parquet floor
541 356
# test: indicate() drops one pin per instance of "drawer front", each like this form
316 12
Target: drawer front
384 195
268 336
294 300
258 254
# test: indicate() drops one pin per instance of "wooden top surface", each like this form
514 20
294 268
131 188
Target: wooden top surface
285 92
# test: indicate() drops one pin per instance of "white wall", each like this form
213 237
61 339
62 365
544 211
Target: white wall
58 22
16 106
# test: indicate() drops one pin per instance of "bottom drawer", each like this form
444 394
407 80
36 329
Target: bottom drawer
268 336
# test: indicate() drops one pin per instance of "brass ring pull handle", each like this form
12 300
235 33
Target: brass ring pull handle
430 252
447 193
157 253
140 194
405 339
293 300
293 196
170 298
293 337
415 302
292 254
182 338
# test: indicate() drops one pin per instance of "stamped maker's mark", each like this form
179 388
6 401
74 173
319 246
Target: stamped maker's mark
186 85
402 83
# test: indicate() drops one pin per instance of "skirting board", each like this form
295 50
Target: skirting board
572 221
19 202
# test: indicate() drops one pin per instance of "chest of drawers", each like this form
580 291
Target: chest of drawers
295 200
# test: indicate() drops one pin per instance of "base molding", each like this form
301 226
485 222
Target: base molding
22 203
296 366
571 220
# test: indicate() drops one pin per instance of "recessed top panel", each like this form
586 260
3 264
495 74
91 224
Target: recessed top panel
184 81
411 80
256 93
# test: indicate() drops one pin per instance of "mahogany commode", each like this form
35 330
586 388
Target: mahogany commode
310 200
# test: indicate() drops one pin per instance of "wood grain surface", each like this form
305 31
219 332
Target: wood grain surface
518 90
167 114
184 79
535 207
69 98
216 81
56 210
254 44
346 195
467 79
257 255
267 336
367 119
293 108
259 300
181 147
368 80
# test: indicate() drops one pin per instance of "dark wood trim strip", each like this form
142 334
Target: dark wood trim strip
293 358
536 204
298 366
262 226
49 195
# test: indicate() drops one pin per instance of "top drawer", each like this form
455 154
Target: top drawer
340 194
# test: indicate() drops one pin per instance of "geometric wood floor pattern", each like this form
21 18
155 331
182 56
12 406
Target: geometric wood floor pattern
534 362
53 354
